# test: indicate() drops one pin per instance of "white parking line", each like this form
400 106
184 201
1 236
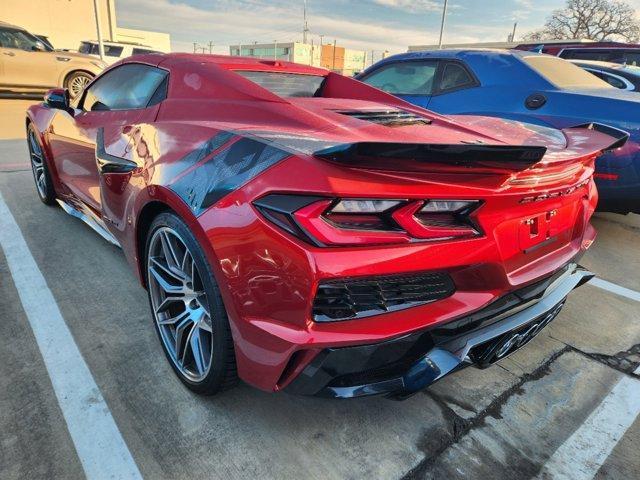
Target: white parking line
583 453
617 289
98 442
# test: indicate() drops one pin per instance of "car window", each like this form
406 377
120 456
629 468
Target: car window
455 76
610 79
18 39
93 49
632 58
563 74
126 87
405 78
599 55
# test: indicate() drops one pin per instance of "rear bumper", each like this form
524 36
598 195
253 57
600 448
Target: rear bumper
406 365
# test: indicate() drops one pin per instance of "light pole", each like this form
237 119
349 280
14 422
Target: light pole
99 29
444 16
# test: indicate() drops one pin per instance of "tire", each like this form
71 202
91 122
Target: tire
187 308
40 167
76 81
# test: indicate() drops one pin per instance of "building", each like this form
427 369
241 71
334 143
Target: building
306 54
505 45
337 59
68 22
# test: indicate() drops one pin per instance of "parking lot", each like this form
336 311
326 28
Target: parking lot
566 406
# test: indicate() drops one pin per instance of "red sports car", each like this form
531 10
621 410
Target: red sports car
306 232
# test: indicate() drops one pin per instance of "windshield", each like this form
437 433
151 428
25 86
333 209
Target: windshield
286 84
20 39
563 74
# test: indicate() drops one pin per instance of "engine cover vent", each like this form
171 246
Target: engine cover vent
389 118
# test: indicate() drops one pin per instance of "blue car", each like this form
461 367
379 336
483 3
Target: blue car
526 87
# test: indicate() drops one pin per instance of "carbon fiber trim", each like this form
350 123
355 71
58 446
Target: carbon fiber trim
225 172
173 169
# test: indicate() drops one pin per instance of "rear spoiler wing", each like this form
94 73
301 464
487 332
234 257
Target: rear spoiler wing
485 158
620 136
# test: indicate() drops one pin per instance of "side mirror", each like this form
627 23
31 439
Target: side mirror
38 47
57 98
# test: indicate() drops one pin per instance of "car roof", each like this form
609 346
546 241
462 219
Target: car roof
604 49
452 53
8 25
570 43
229 62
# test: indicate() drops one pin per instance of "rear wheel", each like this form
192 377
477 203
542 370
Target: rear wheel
39 167
76 81
187 308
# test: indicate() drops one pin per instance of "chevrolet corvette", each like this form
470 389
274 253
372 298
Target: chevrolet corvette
305 232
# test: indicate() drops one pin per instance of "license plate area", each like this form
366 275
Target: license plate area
488 353
544 227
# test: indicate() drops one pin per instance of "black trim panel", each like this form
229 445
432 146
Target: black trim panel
225 172
403 366
416 157
108 163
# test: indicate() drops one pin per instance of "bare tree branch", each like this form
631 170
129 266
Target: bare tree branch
591 19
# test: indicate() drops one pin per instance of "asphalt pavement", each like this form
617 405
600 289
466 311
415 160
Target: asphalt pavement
565 406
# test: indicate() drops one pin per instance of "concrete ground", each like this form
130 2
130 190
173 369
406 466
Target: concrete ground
562 407
12 114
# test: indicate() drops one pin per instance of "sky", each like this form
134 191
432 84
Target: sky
366 24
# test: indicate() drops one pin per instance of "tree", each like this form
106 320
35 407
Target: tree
597 20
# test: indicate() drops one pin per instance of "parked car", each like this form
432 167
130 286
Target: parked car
526 87
29 65
313 234
614 52
624 77
114 51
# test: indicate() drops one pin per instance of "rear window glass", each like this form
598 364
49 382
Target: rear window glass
286 84
564 74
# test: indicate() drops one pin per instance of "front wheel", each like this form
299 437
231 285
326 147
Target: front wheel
187 308
76 82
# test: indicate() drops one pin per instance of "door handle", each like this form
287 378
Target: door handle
108 163
10 54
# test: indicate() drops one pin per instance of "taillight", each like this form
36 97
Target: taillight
349 222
